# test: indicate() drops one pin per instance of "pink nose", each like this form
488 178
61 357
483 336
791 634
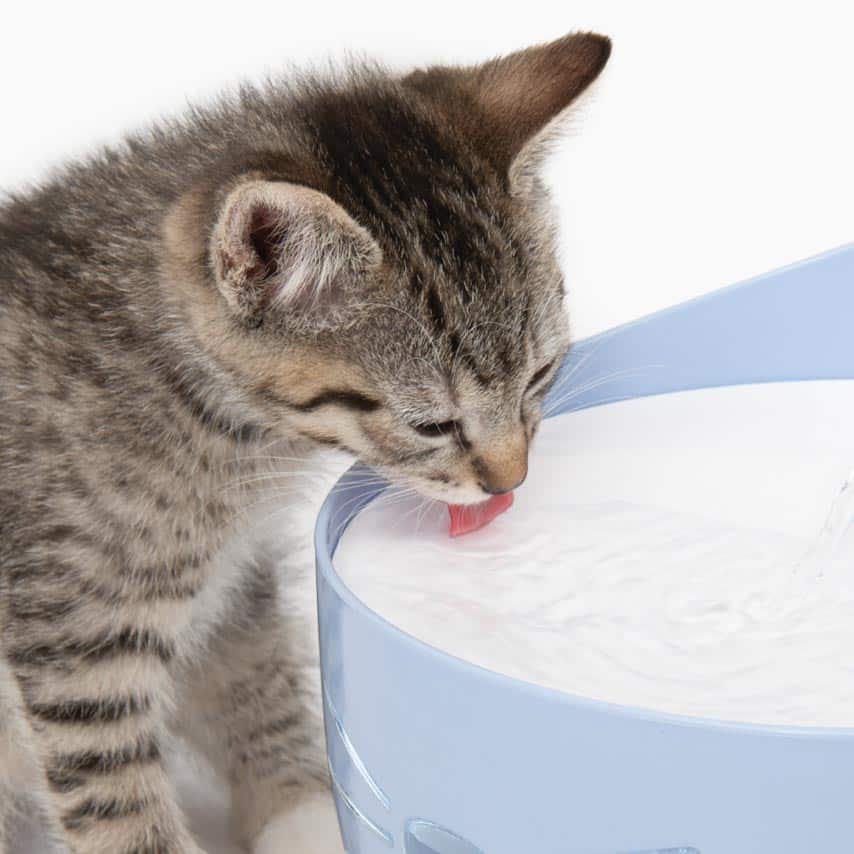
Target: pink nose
504 465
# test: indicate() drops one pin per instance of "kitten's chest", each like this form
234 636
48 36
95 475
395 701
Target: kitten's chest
213 530
255 512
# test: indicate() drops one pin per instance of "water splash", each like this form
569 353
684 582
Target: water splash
831 556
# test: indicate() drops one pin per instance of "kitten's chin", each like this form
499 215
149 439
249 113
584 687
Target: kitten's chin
473 500
445 493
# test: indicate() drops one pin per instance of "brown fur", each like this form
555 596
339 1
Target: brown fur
365 261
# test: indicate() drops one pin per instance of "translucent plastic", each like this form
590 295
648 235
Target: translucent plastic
509 767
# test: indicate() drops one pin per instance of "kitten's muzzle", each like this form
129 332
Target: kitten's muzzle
503 466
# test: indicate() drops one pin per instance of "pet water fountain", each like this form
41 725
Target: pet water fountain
432 755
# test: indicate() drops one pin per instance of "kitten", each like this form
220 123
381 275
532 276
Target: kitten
364 262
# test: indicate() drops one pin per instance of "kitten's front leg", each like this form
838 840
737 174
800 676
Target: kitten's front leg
311 827
253 706
18 773
94 679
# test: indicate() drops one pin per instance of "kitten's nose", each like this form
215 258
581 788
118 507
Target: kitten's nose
503 465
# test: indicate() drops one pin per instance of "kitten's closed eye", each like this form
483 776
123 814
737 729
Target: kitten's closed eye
437 429
540 375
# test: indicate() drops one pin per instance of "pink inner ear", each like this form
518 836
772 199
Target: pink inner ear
265 236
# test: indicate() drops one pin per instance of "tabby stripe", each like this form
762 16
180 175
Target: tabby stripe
437 312
90 711
213 421
525 318
321 439
57 533
93 763
148 586
339 397
329 441
156 843
37 610
72 771
277 752
167 588
166 574
63 782
416 281
128 641
81 487
417 456
393 452
31 607
465 356
276 727
95 810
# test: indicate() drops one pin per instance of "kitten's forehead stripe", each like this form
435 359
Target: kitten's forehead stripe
447 224
437 312
468 359
392 170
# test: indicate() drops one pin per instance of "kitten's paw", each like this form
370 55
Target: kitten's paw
311 827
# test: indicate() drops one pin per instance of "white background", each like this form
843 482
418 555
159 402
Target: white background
718 145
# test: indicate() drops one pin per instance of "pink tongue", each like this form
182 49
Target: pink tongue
466 518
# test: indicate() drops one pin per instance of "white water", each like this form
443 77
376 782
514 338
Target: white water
674 553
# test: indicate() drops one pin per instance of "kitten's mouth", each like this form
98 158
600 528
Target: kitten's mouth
466 518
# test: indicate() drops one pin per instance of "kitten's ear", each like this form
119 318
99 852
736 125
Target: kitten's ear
518 98
284 247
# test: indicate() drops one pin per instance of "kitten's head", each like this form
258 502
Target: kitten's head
393 272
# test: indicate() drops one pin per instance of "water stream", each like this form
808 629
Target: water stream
831 556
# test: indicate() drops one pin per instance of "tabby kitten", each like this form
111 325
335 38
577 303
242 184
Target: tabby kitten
364 262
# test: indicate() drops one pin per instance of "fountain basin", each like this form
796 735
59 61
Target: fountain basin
432 755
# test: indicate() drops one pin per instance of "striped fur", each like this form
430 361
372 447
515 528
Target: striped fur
363 262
